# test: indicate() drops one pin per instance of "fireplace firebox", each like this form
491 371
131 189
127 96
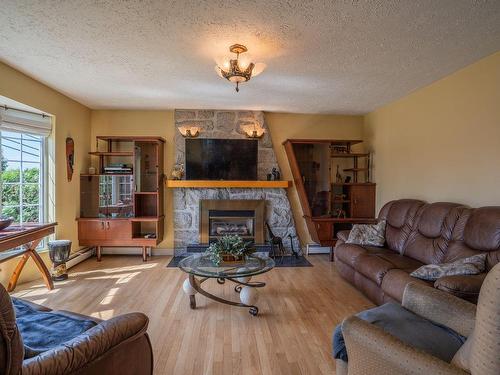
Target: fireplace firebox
232 217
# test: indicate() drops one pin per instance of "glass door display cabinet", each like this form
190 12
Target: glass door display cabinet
122 204
333 183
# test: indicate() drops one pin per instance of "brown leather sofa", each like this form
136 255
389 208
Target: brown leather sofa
116 346
419 233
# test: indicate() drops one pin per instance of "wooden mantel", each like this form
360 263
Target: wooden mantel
228 184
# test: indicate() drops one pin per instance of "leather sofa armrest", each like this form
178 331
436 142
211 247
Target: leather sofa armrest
87 347
465 287
343 235
373 351
440 307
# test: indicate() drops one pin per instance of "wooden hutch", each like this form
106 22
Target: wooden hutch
333 184
122 203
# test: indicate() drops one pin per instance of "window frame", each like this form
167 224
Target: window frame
43 178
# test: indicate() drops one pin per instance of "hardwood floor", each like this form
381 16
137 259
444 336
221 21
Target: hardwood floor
299 309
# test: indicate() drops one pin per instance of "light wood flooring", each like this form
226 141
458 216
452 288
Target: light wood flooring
299 309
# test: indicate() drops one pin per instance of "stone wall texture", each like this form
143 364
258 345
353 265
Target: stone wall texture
227 125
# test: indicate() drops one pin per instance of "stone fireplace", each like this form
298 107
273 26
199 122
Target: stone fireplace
187 201
226 217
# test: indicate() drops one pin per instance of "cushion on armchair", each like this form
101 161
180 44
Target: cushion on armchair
410 328
43 330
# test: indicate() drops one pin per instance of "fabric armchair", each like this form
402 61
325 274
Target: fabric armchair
373 351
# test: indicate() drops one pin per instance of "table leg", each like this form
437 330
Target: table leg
196 285
17 272
31 252
42 268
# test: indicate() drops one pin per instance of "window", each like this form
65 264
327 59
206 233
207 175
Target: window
23 176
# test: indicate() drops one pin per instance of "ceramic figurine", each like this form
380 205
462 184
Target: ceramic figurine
177 172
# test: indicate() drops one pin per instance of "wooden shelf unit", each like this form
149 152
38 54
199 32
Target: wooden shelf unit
124 209
314 165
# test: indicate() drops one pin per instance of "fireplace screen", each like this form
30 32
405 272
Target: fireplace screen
222 226
240 217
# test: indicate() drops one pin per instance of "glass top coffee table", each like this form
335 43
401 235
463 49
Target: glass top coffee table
200 268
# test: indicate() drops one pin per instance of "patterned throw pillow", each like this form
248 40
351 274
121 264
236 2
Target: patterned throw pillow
466 266
368 234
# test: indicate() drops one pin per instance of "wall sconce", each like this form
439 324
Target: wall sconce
189 131
253 131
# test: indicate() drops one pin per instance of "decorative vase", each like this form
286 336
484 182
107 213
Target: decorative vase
59 251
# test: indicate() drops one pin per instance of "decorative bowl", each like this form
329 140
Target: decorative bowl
5 222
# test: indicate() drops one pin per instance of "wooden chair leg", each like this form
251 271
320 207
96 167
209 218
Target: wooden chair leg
98 253
144 254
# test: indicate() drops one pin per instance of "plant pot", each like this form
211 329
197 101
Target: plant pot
229 258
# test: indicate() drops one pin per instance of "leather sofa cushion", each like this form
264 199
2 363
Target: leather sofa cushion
433 230
482 231
399 216
348 253
372 267
395 281
466 287
401 261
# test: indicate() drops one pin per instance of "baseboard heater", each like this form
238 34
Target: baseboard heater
315 248
79 256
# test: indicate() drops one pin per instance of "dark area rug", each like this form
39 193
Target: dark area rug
288 261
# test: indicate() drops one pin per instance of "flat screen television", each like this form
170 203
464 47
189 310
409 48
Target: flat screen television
221 159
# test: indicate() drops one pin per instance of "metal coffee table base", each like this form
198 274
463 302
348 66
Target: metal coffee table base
196 284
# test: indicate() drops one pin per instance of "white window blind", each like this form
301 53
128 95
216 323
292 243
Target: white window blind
13 120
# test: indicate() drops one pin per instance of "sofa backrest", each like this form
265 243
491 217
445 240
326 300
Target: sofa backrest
399 215
476 231
432 231
441 232
11 344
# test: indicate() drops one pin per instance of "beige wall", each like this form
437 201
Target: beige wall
442 142
283 126
71 120
157 123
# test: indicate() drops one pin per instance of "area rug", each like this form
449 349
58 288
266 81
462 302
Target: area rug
288 261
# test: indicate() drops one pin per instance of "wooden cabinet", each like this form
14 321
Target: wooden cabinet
107 231
324 229
122 205
90 231
333 185
362 198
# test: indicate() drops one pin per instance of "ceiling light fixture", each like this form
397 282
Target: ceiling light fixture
237 71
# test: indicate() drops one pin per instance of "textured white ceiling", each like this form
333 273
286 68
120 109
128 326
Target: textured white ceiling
322 56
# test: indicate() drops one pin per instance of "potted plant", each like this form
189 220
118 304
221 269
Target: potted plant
229 248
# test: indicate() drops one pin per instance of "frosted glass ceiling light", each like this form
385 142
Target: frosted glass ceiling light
238 71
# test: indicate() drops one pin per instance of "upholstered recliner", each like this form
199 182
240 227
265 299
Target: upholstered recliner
116 346
371 351
419 233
